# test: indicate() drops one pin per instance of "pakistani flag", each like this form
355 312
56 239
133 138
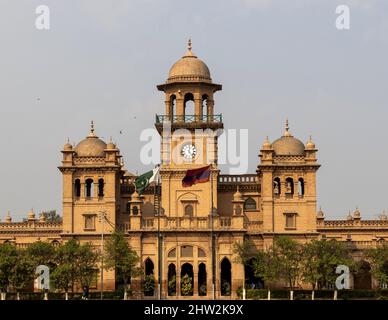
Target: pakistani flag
143 181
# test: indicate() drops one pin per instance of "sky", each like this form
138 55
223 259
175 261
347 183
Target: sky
276 59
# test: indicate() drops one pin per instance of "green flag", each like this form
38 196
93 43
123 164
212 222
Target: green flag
143 181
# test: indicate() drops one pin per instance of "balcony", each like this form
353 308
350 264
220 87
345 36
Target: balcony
187 223
190 121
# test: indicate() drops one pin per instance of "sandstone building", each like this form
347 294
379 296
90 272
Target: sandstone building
280 198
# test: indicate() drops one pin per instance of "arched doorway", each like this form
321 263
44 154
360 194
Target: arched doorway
362 277
187 279
171 278
202 280
149 280
226 277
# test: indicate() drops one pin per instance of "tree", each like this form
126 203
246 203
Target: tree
120 257
245 251
42 253
87 259
172 286
378 259
266 266
62 279
66 259
8 257
149 285
289 259
321 258
52 216
23 272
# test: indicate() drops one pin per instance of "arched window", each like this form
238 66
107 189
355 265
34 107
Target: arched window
172 106
201 253
187 282
189 210
172 253
77 188
135 210
250 204
171 276
276 186
89 188
149 267
189 108
204 107
301 187
100 187
226 277
289 186
202 287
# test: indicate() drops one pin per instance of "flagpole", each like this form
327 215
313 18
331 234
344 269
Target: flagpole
212 238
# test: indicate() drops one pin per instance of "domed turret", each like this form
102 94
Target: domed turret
266 144
288 145
8 218
31 215
310 144
92 146
237 195
320 214
42 217
357 214
189 68
67 146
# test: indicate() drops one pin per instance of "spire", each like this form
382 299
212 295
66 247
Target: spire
189 52
287 128
92 134
189 44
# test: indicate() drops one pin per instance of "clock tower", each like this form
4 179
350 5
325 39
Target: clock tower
189 130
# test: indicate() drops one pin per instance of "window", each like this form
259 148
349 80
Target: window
135 210
128 208
77 188
289 186
189 210
172 253
250 204
301 187
290 220
90 222
276 186
100 188
237 210
89 186
186 251
201 253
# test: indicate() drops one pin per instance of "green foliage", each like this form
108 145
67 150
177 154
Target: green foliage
42 253
149 285
87 259
61 277
52 216
378 260
245 251
120 257
186 285
8 257
23 271
321 259
172 286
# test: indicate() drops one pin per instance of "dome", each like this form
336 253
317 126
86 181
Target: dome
92 146
237 195
189 68
288 145
31 215
310 144
266 144
67 146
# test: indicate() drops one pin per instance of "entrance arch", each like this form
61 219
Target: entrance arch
226 277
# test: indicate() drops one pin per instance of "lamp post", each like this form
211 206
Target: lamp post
102 218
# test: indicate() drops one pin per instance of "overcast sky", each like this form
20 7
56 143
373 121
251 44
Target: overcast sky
101 61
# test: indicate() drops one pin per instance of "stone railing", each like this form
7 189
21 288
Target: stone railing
31 226
187 223
237 179
355 223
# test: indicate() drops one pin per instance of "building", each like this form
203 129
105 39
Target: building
279 199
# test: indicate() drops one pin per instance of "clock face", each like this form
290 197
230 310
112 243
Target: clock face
188 151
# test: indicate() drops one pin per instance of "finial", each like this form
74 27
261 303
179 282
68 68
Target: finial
68 140
189 44
91 134
287 128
